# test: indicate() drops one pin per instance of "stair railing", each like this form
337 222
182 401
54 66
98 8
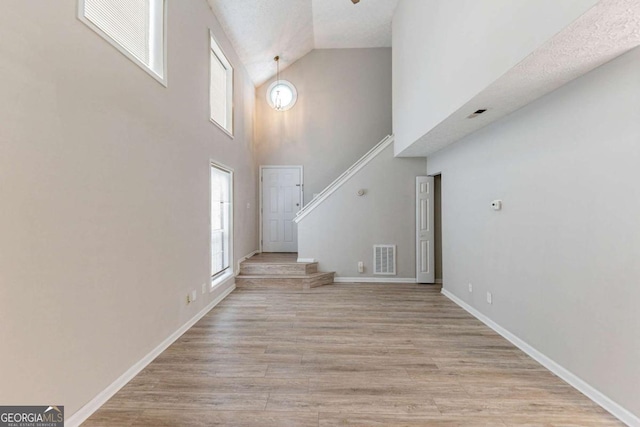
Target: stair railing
342 179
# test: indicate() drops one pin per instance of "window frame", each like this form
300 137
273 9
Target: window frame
161 49
215 49
229 272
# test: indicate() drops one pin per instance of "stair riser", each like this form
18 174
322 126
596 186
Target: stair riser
325 279
279 283
264 283
250 269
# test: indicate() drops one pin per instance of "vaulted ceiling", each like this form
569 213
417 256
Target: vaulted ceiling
262 29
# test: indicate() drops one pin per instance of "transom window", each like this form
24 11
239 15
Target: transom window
134 27
221 89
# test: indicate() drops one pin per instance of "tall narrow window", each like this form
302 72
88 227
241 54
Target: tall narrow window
221 89
135 27
221 207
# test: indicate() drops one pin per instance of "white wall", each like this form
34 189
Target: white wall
104 189
343 229
447 51
343 109
561 259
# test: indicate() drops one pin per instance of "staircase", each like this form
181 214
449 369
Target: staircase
280 271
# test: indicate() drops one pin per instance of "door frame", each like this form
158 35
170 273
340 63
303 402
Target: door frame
436 241
262 167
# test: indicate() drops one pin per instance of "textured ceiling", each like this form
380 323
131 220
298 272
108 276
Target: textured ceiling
341 24
609 29
262 29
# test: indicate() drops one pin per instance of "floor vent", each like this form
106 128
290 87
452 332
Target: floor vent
384 259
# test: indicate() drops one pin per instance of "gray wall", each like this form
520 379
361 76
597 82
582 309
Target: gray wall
104 183
561 258
343 229
343 109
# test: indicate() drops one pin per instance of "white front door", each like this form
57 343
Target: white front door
281 200
425 257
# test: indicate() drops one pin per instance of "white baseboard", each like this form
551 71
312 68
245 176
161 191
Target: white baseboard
87 410
614 408
374 280
306 260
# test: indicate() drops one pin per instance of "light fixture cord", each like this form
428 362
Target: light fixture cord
278 100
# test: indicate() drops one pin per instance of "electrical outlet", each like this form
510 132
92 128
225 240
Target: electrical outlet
489 298
470 287
194 295
204 288
360 267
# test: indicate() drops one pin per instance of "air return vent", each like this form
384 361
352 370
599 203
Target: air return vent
384 259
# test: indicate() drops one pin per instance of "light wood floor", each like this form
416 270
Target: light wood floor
345 355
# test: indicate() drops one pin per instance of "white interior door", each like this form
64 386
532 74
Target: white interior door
425 257
281 201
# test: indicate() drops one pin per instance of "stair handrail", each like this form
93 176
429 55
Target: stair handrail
344 177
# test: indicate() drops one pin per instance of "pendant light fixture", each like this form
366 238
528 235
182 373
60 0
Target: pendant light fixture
281 94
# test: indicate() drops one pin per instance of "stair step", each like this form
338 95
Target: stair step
278 268
284 281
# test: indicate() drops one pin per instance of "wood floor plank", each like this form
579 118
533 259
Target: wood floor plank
513 407
207 369
109 417
558 421
227 358
352 403
345 355
383 386
341 370
169 418
188 400
377 420
178 382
